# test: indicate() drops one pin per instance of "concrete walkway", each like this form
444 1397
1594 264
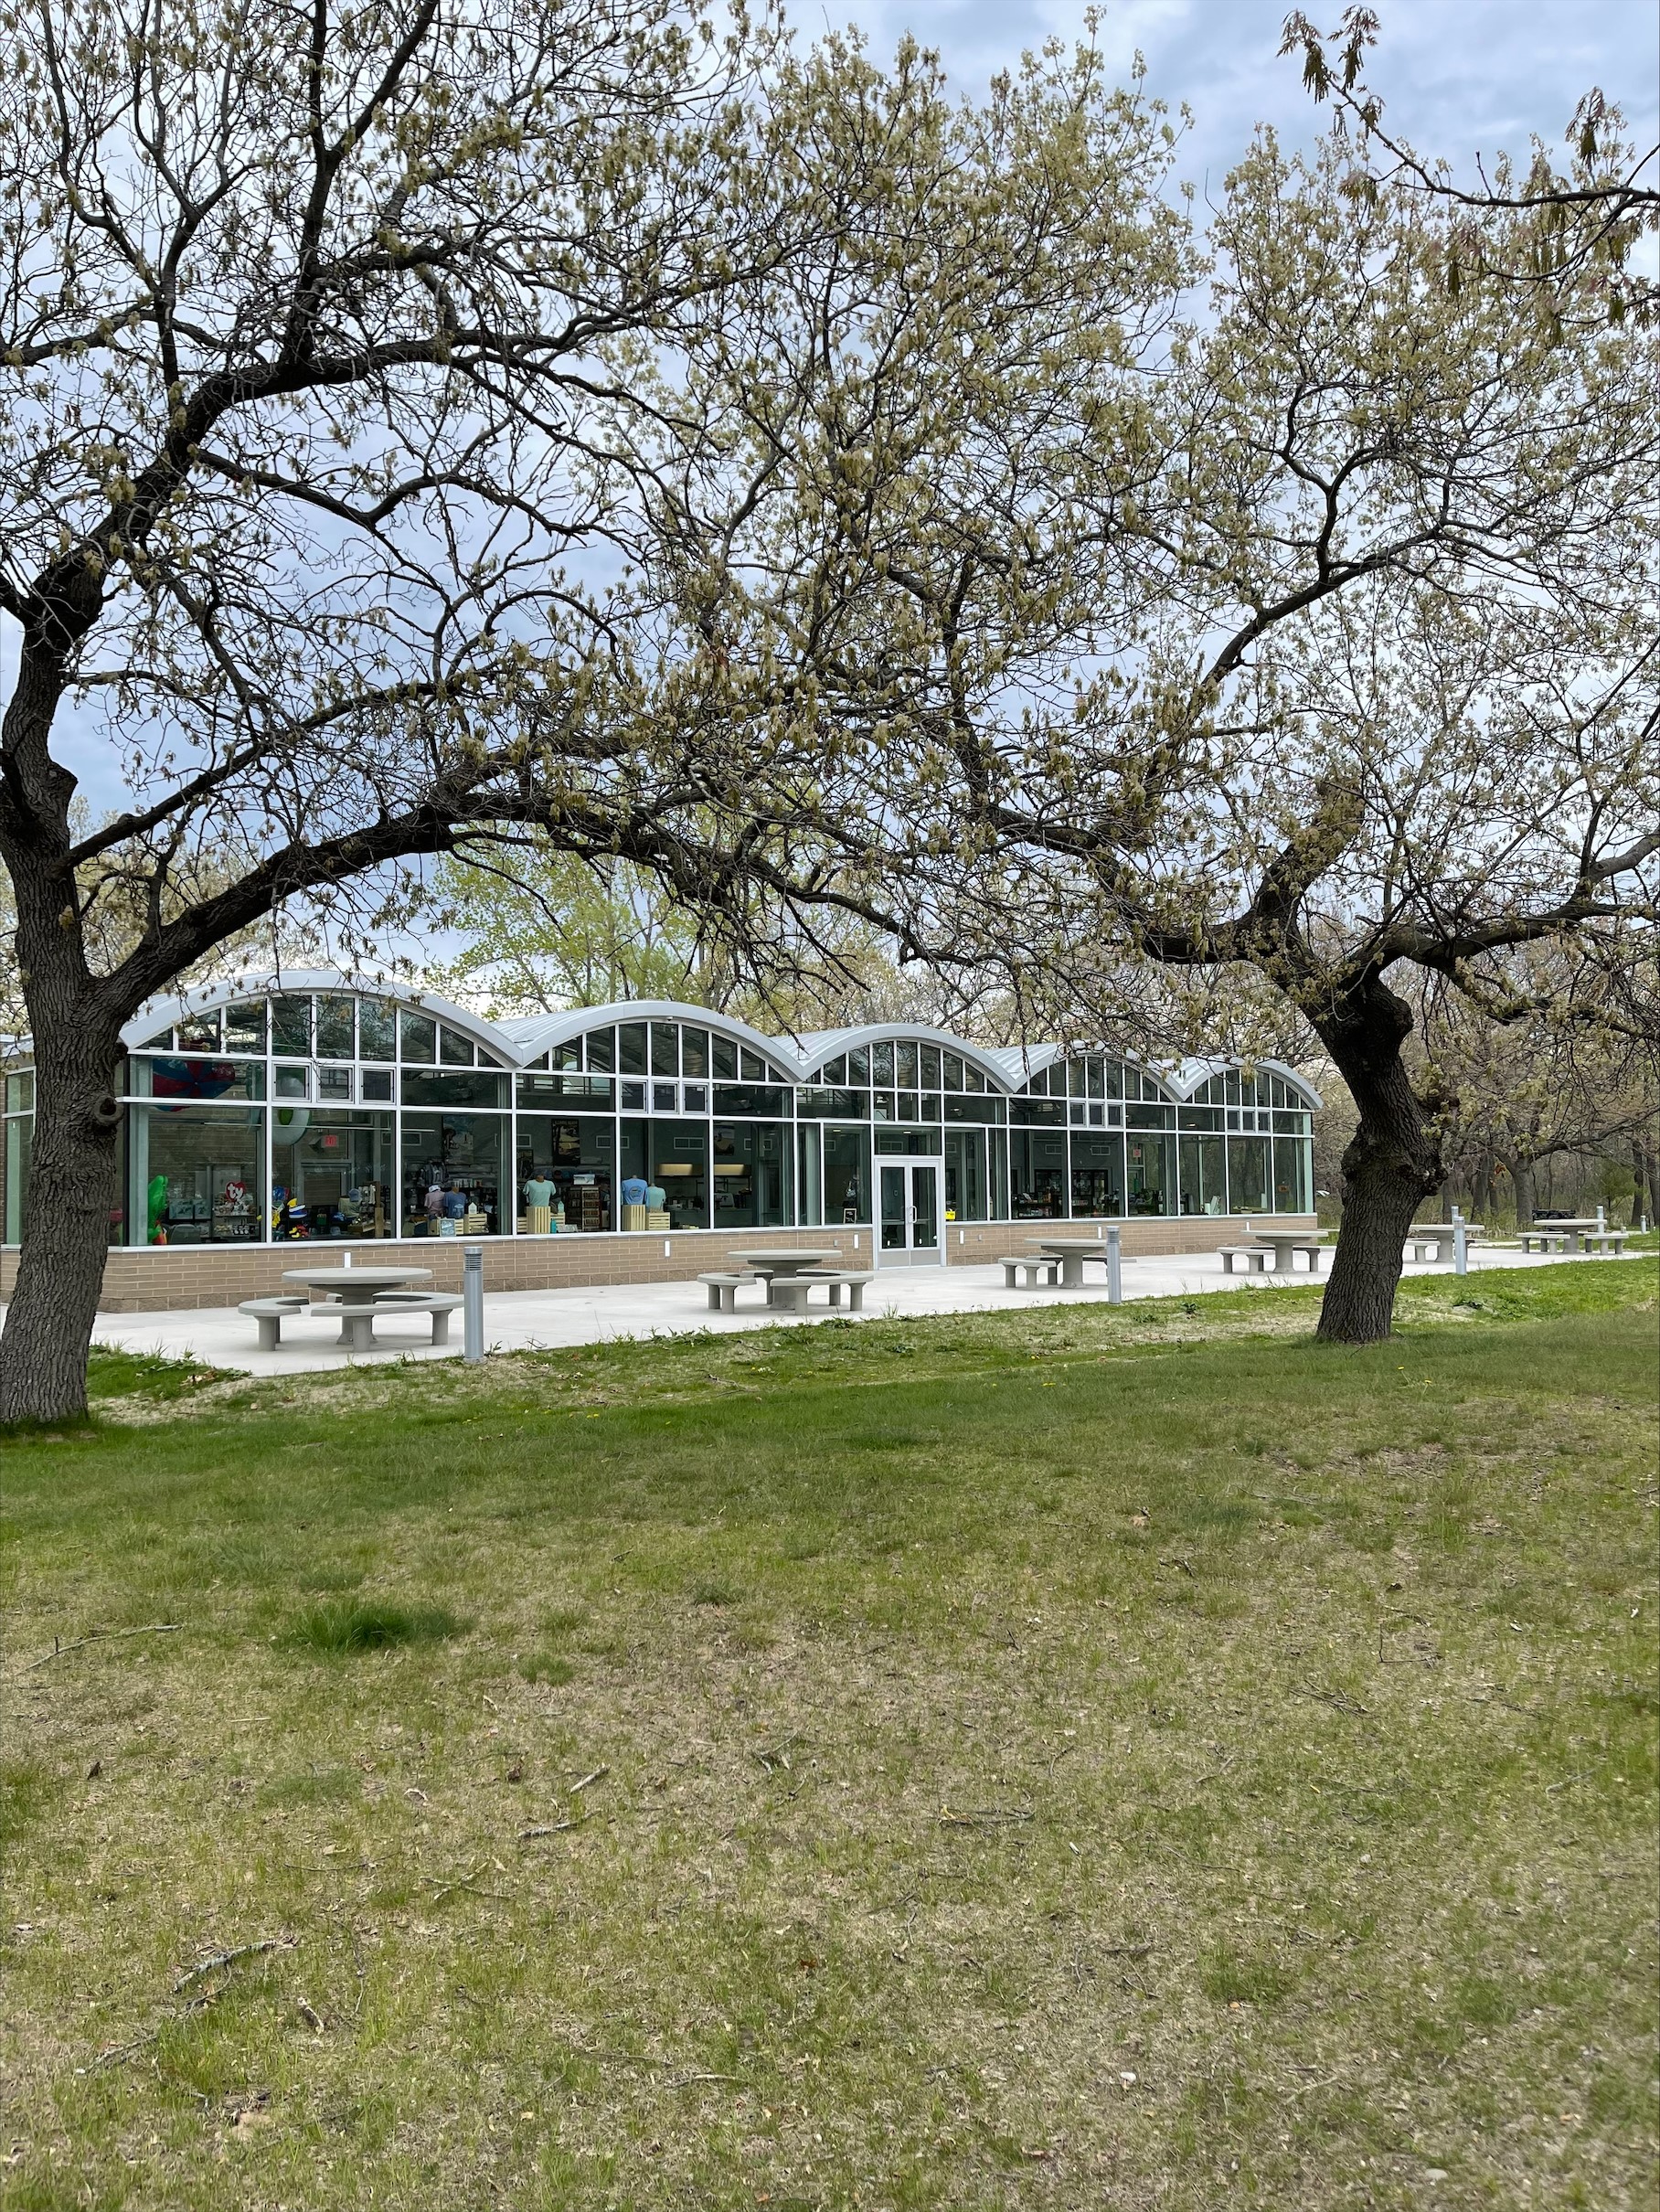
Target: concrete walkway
521 1320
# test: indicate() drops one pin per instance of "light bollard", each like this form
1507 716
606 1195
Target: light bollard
473 1303
1115 1281
1461 1249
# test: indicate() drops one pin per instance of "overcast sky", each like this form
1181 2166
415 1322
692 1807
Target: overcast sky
1459 76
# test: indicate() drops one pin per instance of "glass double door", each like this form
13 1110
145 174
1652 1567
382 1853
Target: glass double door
909 1214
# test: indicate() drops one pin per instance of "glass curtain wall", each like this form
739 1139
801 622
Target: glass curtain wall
567 1172
196 1174
452 1174
19 1096
326 1113
331 1173
751 1179
1204 1175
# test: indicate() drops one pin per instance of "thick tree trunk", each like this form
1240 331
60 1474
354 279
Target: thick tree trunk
65 1230
1521 1177
1392 1163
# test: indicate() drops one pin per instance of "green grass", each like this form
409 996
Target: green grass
1080 1757
357 1624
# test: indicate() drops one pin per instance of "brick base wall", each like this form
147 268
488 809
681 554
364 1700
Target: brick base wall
149 1281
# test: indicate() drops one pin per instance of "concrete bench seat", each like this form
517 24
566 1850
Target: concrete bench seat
1256 1257
1548 1240
270 1314
723 1292
851 1280
1035 1270
357 1322
1311 1251
1605 1239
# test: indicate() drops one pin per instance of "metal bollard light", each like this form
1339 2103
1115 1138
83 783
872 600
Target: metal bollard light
473 1303
1115 1281
1461 1254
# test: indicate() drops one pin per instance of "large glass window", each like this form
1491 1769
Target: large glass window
1150 1174
452 1174
478 1087
810 1174
750 1098
200 1082
335 1040
1291 1176
1037 1175
1098 1176
567 1170
923 1143
1247 1174
291 1026
245 1026
1204 1187
331 1174
196 1174
967 1181
630 1048
376 1030
20 1145
680 1170
751 1175
846 1175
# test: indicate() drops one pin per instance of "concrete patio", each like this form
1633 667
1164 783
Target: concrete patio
521 1320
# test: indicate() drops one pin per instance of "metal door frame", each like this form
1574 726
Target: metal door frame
911 1254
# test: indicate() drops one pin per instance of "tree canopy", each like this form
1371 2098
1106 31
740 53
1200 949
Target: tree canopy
1306 626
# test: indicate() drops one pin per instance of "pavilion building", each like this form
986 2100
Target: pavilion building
631 1143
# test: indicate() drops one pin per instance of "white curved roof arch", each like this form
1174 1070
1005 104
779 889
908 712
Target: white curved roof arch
275 983
820 1045
539 1033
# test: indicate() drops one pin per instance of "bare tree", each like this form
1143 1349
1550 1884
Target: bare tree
361 369
323 331
1579 223
1315 635
1541 1064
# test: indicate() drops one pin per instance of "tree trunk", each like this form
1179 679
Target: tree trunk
1481 1197
1392 1163
1645 1160
1521 1176
66 1229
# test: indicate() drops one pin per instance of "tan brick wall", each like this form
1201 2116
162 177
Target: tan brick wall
184 1276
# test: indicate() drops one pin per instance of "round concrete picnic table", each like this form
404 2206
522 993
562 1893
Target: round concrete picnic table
1285 1242
1443 1235
785 1261
1570 1230
354 1286
1071 1252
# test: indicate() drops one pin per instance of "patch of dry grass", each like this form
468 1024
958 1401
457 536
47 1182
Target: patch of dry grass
1068 1768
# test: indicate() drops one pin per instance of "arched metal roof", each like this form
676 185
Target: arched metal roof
1191 1075
1008 1068
275 983
530 1038
820 1045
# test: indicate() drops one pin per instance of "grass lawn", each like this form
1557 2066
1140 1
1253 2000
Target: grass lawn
1080 1757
